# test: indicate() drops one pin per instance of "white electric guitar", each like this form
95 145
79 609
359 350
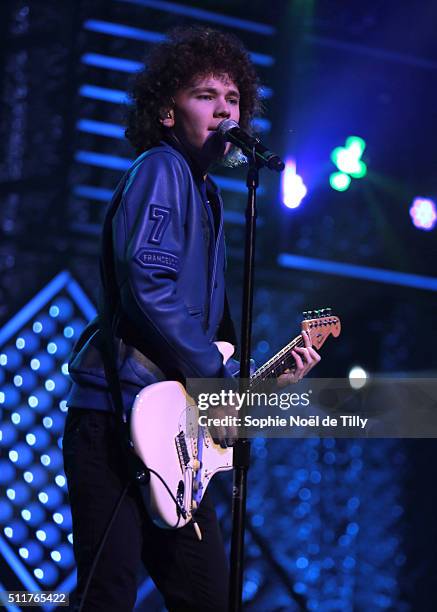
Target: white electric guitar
181 455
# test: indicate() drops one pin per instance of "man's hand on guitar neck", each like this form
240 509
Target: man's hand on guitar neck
306 357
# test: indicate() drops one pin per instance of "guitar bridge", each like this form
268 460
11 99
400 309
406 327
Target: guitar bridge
182 450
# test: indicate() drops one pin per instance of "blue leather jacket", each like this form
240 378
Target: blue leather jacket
169 264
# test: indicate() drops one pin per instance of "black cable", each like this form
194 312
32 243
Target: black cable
106 533
102 543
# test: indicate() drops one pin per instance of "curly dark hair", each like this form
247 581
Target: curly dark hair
188 52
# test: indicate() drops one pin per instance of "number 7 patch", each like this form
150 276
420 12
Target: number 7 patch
160 215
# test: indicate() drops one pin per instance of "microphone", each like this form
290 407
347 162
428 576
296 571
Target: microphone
230 131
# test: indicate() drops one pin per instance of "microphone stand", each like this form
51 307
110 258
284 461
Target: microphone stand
241 451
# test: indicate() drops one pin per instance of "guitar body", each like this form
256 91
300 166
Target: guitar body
181 455
166 436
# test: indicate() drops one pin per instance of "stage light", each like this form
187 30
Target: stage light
339 181
357 377
293 188
348 161
423 213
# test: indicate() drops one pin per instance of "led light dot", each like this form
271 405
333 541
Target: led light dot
18 380
26 514
20 343
58 518
9 532
2 397
47 422
15 418
23 553
55 555
32 401
45 460
37 327
49 384
68 332
28 476
60 480
64 369
3 359
43 497
35 364
38 573
54 311
10 494
70 538
41 535
52 348
30 439
63 406
13 455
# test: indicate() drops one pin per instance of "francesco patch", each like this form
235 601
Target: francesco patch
154 258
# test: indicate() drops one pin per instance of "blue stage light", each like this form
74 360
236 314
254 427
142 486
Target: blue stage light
58 421
6 511
60 347
65 513
47 327
51 497
52 460
47 573
16 532
68 331
40 437
11 396
36 475
36 514
28 342
28 379
7 472
42 363
63 556
35 552
60 480
40 401
18 493
21 455
8 434
57 384
63 307
49 534
78 326
23 418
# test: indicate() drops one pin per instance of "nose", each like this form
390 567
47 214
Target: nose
222 110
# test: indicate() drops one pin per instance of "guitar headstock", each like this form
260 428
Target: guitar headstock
320 324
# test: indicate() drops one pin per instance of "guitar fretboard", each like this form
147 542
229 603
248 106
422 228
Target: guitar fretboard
277 364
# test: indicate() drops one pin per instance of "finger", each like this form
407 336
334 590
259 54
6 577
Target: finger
315 355
305 354
297 359
306 338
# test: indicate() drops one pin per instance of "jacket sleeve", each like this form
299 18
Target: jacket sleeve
148 238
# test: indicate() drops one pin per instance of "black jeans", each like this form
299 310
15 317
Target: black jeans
192 575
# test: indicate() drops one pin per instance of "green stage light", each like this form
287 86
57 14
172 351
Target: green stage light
339 181
348 161
360 171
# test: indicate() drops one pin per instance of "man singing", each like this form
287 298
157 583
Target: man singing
163 249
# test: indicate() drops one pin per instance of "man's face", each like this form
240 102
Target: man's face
198 111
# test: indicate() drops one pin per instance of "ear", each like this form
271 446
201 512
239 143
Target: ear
166 118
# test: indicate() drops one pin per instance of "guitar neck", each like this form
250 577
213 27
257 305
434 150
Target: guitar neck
277 365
